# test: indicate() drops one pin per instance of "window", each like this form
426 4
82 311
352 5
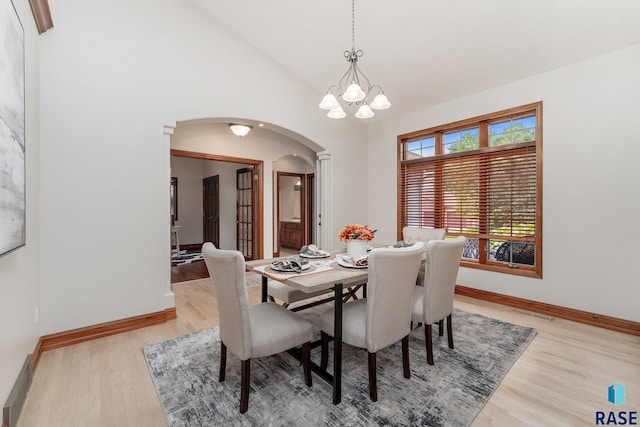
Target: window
480 178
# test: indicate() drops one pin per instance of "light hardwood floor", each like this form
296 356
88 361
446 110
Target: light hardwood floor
560 380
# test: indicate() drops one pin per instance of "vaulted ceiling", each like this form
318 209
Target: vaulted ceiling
425 52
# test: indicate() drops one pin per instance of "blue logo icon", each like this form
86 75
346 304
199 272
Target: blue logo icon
616 394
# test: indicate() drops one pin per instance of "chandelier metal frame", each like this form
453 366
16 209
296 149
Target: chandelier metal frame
350 87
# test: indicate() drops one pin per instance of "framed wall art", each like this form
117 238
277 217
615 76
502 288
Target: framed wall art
12 123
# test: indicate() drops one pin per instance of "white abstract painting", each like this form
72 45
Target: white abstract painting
12 143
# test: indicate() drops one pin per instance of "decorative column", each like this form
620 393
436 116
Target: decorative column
324 222
169 300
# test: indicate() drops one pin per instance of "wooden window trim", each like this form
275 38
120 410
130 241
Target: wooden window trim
483 123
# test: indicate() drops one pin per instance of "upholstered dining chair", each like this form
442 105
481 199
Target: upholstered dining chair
251 331
424 235
433 301
383 317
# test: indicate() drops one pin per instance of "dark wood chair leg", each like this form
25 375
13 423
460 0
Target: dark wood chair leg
405 357
373 380
223 361
245 374
441 327
450 331
324 353
306 362
428 344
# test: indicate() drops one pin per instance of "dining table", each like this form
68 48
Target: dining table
323 274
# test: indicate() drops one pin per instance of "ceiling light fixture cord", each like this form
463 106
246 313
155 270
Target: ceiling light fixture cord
353 24
350 88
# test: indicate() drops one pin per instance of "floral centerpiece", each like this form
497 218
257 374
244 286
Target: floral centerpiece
356 232
356 236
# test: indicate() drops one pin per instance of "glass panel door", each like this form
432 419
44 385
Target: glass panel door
244 212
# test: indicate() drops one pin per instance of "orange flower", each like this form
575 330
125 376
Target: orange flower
356 231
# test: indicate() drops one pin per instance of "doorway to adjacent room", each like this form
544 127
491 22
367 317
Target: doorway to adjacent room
247 212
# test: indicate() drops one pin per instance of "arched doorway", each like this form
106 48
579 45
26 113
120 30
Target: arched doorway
212 139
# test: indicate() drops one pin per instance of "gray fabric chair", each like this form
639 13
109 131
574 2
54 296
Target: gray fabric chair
251 331
424 235
433 301
383 318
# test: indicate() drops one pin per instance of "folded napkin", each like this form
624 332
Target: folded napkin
289 264
311 250
402 244
358 261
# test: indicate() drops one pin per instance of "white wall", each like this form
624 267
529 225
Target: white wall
294 164
591 199
19 269
106 92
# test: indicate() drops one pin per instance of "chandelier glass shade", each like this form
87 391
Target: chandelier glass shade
354 87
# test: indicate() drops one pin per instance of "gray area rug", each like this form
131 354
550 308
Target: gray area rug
449 393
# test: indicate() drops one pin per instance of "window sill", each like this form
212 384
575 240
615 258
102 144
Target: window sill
520 271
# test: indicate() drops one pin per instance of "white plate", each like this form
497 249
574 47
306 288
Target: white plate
324 255
289 270
349 264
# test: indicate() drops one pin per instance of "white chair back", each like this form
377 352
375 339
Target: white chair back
392 278
441 272
227 271
418 234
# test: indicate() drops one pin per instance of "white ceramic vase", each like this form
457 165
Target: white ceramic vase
356 247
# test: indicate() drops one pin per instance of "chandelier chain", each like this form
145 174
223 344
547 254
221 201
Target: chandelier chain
353 24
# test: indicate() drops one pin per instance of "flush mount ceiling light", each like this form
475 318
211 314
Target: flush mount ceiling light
350 87
239 130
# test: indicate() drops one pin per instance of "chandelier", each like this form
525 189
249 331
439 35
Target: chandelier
354 87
